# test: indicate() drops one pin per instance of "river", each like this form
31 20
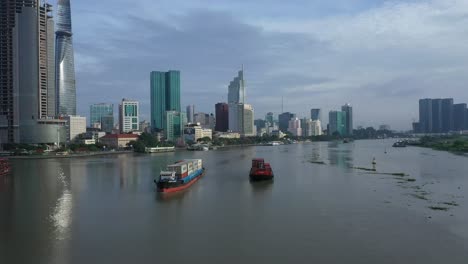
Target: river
106 210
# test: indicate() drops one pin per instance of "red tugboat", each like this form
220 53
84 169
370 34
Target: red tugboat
260 170
5 167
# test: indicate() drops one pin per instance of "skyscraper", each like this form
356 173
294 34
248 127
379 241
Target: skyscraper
248 121
129 111
294 127
316 114
436 116
65 62
337 123
447 114
175 124
222 117
103 114
236 99
270 118
26 74
425 115
283 120
348 109
165 96
190 113
460 117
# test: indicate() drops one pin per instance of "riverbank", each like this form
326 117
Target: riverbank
455 144
69 156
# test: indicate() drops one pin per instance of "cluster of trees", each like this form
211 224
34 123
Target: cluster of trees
147 140
447 143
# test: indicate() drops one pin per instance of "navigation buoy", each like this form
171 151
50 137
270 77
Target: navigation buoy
374 162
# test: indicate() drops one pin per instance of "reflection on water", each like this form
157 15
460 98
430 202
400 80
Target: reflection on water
62 213
340 154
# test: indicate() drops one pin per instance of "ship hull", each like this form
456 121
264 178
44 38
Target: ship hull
261 177
171 187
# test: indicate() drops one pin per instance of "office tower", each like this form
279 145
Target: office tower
103 114
26 74
348 109
316 128
248 126
236 99
294 127
76 125
425 116
269 118
190 113
129 116
284 120
65 62
175 124
222 117
337 123
165 96
316 114
447 114
460 117
436 116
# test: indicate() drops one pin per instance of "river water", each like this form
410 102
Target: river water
105 209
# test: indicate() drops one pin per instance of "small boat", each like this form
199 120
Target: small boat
180 175
5 167
260 170
399 144
159 149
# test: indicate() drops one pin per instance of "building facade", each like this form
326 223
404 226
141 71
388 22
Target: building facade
175 123
460 117
76 125
425 116
316 114
65 61
102 114
294 127
27 101
222 117
447 114
236 100
337 123
165 96
117 141
248 126
284 120
129 116
316 128
190 113
348 110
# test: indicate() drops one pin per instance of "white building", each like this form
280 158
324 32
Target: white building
76 125
196 132
129 116
248 127
316 128
227 135
295 127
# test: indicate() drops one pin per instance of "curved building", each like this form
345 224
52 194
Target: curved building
65 65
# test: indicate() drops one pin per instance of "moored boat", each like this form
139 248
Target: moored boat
5 167
260 170
399 144
180 175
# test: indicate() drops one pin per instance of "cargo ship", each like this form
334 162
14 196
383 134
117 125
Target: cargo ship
260 170
180 175
5 167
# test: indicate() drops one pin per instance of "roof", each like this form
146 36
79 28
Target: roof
120 136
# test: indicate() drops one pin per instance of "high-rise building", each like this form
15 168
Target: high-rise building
348 109
337 123
175 124
65 62
222 117
283 120
425 116
165 96
460 117
269 118
447 114
129 116
26 74
236 99
104 115
190 113
76 125
248 126
316 128
294 127
316 114
436 116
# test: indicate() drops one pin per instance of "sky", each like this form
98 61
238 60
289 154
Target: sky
380 56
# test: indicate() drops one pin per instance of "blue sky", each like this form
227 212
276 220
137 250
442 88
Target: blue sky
380 56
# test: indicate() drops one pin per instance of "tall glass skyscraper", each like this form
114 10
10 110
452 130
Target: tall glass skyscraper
102 114
337 123
315 114
165 96
65 65
348 110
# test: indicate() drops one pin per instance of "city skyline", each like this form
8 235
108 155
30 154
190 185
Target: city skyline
342 67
